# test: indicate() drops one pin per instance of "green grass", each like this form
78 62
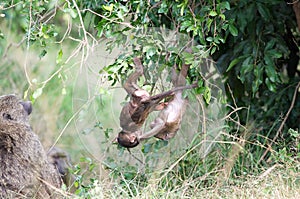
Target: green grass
277 181
174 170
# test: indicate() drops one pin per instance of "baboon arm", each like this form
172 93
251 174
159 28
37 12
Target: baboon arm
159 125
160 96
130 84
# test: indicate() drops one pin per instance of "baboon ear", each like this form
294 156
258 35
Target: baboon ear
27 106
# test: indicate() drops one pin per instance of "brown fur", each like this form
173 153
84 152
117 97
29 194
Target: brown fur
62 162
141 104
24 169
135 112
168 122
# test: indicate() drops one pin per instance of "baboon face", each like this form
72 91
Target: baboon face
128 140
12 109
60 159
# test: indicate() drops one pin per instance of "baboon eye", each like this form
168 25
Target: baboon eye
7 116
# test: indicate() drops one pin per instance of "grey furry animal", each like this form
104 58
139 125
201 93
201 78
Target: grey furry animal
24 168
62 162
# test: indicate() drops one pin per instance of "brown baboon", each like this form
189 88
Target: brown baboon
24 168
136 111
168 122
62 162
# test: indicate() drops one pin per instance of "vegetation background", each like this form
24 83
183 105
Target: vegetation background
57 54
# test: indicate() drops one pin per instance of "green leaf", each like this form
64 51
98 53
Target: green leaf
182 10
149 50
1 35
191 28
42 54
264 11
101 27
163 8
76 184
213 13
213 50
207 95
185 24
247 61
120 15
71 11
146 148
63 91
258 73
108 8
188 57
274 54
124 9
247 66
270 44
271 86
268 60
293 133
233 30
209 22
233 63
159 144
225 5
107 132
200 90
222 16
271 73
59 56
91 167
210 39
38 92
200 83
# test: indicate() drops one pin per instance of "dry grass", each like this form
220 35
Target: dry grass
276 182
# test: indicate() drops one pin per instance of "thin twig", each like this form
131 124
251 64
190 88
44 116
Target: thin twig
57 190
268 171
114 21
139 160
28 45
17 45
9 7
67 31
69 121
232 112
282 123
204 117
51 14
288 113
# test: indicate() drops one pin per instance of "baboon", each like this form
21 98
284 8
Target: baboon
141 104
168 122
24 168
62 162
135 112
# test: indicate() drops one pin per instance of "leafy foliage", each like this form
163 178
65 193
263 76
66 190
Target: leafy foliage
255 55
254 43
